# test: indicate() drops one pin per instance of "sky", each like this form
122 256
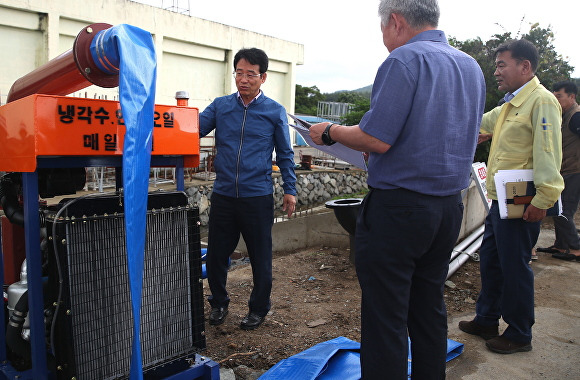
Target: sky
342 39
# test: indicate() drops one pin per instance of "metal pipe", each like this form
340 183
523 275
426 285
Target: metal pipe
71 71
461 259
459 248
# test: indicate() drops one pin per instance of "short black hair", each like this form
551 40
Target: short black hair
521 50
569 87
253 55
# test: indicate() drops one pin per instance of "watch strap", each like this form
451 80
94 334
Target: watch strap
326 139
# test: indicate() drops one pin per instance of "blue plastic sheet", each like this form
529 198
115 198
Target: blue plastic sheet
313 362
132 51
454 349
336 359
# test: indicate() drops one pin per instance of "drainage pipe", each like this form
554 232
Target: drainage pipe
459 248
463 256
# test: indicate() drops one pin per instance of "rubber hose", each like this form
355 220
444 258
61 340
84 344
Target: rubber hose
9 202
14 339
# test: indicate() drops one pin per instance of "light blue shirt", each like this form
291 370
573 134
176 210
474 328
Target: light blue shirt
510 95
427 102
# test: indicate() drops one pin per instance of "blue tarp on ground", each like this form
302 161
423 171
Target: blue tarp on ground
336 359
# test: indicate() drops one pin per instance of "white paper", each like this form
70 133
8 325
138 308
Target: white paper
337 150
517 175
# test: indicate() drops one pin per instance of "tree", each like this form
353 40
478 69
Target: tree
307 99
350 97
361 106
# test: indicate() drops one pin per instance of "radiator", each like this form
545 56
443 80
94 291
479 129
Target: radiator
93 325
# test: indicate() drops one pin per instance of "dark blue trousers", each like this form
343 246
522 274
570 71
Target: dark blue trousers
507 281
403 246
251 217
566 234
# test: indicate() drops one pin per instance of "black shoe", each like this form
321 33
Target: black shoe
502 345
251 321
566 256
550 249
474 328
218 315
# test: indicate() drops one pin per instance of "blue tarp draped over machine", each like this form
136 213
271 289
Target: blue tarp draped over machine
131 51
336 359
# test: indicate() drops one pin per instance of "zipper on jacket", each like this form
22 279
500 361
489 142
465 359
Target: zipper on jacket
240 152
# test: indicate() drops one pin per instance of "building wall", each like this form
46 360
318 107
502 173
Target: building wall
193 54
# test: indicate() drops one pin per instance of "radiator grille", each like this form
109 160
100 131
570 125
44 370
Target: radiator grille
99 326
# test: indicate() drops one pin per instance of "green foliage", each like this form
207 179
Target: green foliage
351 97
307 99
361 106
333 96
552 67
348 96
359 98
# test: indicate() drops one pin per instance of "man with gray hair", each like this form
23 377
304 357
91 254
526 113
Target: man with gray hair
421 131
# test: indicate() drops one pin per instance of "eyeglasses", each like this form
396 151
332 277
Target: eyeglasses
247 76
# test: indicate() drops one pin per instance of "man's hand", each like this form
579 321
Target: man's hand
534 214
483 137
316 132
289 204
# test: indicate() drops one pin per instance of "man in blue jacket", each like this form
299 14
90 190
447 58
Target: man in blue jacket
248 127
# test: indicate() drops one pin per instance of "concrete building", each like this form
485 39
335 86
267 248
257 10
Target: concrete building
193 54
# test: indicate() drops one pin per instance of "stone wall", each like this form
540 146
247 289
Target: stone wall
321 228
313 189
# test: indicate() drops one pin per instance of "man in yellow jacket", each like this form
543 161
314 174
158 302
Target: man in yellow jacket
526 135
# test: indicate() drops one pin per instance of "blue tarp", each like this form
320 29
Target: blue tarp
336 359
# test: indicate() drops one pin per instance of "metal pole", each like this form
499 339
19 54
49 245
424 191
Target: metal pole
461 259
459 248
34 268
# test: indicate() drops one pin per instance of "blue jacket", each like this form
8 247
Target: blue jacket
245 138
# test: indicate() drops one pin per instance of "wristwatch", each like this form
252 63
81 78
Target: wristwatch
326 135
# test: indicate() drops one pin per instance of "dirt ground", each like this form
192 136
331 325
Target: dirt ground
315 298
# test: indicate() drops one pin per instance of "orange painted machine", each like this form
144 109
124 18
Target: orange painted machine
47 139
36 123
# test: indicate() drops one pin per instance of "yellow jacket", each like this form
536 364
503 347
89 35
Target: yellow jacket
526 135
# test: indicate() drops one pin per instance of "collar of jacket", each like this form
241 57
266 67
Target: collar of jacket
523 95
257 100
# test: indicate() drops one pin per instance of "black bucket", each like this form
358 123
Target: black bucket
346 212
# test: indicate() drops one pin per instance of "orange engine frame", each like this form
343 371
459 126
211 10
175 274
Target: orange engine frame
48 125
